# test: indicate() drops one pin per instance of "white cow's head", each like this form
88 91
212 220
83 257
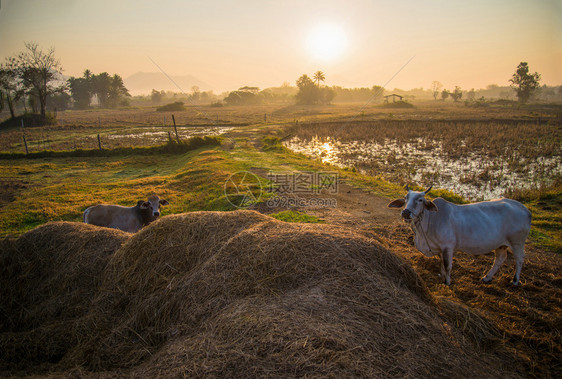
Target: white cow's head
153 205
415 203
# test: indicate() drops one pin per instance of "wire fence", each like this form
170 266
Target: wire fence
102 136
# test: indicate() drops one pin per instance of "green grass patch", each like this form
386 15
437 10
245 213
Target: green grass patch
545 204
273 143
296 216
447 195
55 189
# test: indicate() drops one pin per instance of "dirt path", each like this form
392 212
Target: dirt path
349 206
355 208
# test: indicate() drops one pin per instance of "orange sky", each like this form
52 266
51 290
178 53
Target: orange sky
263 43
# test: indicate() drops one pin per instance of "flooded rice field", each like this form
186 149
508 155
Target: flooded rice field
475 160
156 136
69 138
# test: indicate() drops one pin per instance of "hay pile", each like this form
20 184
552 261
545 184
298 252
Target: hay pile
48 278
240 294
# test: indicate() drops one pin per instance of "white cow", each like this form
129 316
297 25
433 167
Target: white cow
128 219
444 228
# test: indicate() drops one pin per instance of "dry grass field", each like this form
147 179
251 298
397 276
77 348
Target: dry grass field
79 128
230 293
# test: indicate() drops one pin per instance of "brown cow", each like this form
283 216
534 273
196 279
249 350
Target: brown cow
128 219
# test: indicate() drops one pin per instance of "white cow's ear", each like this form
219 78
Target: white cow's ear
430 206
145 205
398 203
164 202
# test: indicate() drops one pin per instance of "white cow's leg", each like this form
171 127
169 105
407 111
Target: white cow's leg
519 253
501 254
442 272
446 265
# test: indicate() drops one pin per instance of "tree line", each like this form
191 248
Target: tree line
33 78
308 91
109 91
525 84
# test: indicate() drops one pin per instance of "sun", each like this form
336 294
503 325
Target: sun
326 42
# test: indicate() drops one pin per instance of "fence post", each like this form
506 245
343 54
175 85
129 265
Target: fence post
176 129
170 136
23 135
25 143
99 141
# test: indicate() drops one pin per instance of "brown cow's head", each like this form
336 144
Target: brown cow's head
415 203
153 206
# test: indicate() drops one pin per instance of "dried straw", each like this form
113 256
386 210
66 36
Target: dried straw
240 294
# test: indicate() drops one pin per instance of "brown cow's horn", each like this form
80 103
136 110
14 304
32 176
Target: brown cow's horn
429 189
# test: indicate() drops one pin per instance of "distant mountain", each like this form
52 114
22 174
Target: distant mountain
144 82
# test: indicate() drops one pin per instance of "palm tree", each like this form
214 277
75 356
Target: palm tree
319 77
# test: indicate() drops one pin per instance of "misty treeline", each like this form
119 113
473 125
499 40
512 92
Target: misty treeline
32 81
196 96
309 90
108 91
250 95
524 86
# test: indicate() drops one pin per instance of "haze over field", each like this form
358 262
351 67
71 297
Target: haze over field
229 44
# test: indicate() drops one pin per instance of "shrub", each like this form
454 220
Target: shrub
177 106
29 120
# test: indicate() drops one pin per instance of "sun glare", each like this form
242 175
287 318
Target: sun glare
326 42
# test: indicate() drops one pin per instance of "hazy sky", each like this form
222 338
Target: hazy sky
232 43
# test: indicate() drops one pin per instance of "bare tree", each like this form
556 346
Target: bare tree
436 87
39 71
11 88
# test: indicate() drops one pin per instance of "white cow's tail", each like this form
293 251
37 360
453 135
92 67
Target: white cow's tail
85 216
